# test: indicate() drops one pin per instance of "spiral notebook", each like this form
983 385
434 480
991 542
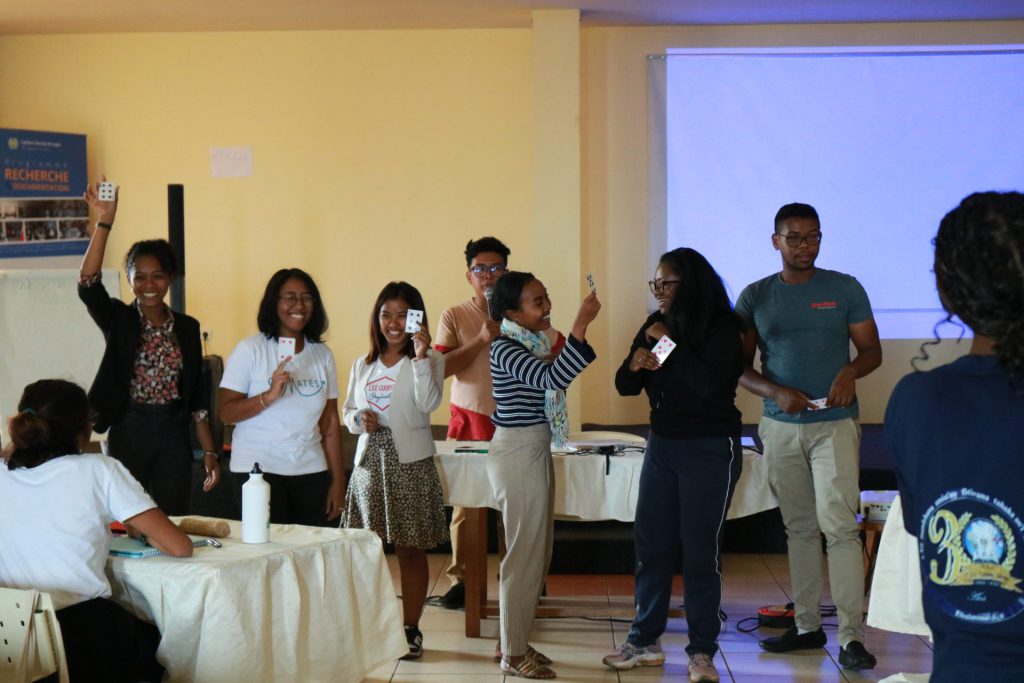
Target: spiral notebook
126 546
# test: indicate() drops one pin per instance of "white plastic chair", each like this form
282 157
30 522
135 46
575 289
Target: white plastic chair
31 646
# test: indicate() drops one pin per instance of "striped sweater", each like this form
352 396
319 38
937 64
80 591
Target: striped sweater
520 379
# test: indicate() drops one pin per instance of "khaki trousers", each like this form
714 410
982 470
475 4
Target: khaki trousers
456 571
814 471
523 482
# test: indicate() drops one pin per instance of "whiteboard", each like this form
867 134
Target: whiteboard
45 332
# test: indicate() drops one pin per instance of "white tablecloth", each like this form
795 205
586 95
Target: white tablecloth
583 492
895 603
312 605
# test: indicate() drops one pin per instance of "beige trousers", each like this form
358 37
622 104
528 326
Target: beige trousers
814 471
456 571
523 481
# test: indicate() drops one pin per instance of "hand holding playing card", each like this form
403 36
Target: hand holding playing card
643 359
588 311
421 342
278 381
102 200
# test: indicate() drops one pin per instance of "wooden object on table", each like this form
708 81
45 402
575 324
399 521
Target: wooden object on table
205 527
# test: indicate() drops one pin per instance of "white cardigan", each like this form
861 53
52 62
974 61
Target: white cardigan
417 393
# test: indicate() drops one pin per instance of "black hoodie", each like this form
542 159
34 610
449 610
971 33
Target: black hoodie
693 394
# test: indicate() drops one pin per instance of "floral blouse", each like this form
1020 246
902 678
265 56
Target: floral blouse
158 361
158 364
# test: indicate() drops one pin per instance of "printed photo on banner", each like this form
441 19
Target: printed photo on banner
42 212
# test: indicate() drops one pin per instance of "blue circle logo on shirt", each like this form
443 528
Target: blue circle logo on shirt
968 546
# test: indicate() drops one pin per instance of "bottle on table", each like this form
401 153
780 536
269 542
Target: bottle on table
256 508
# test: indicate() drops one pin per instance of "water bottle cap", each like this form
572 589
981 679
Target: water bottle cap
256 469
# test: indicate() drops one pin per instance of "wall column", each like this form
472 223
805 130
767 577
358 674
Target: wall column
557 164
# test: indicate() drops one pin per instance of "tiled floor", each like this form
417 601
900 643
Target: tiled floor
577 645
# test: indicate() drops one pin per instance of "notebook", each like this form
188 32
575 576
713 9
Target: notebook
126 546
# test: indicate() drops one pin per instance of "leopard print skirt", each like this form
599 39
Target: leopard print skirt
401 502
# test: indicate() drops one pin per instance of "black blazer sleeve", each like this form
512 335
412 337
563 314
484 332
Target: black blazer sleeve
192 386
102 309
627 382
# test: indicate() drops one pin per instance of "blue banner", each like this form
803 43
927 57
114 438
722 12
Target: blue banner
42 212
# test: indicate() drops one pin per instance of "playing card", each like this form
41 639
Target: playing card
413 318
590 283
285 348
107 193
818 403
663 348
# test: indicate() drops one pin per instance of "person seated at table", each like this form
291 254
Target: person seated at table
529 391
149 385
955 435
56 504
692 461
285 411
395 489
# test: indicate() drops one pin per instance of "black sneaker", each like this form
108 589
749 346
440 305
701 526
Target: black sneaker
414 637
455 598
856 656
793 640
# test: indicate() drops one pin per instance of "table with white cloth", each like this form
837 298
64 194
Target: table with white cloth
588 487
895 603
313 604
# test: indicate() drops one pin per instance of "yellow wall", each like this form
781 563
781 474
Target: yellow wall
615 185
379 153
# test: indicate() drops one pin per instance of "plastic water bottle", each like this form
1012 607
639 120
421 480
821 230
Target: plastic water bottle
255 508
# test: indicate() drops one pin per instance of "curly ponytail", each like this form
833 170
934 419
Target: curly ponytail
52 415
979 270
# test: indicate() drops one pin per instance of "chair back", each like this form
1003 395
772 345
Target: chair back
31 646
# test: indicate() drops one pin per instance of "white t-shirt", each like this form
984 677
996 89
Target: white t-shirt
284 438
379 387
55 524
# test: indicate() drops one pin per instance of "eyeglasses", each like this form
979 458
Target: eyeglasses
813 239
291 298
661 285
493 269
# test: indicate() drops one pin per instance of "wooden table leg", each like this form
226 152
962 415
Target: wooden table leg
872 542
476 568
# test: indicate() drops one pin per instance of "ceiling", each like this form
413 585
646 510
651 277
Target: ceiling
107 16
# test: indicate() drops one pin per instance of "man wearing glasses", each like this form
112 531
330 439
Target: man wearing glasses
464 336
802 320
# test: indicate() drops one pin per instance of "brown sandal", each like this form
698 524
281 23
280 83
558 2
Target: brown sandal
536 656
527 668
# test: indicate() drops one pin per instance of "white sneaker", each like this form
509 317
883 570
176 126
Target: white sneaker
628 655
702 668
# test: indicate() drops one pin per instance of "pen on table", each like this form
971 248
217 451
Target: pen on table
470 450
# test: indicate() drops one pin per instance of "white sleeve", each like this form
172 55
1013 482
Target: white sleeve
125 496
350 410
332 375
238 371
428 378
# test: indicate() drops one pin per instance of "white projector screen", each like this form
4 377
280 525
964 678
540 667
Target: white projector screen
881 143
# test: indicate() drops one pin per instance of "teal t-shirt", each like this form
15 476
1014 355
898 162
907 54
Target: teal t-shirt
803 335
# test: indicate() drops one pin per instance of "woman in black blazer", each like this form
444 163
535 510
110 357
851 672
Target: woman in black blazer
149 385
